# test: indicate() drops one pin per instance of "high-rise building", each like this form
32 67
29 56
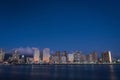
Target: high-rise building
2 54
106 57
77 57
70 58
57 60
82 58
57 53
63 59
89 58
46 55
57 57
15 57
92 58
22 59
36 55
65 54
95 57
52 59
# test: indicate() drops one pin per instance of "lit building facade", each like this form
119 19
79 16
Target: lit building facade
63 59
57 57
89 58
2 54
29 60
82 58
22 58
106 57
16 57
70 58
52 59
77 57
95 57
46 55
36 56
57 60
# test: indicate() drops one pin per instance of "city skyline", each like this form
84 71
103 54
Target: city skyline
32 50
44 57
89 25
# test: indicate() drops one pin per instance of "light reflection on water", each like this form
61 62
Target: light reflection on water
112 73
60 72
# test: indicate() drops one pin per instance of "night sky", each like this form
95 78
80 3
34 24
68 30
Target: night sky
86 25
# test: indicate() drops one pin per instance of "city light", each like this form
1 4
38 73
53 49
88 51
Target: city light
59 57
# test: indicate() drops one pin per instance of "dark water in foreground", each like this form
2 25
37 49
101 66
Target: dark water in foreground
59 72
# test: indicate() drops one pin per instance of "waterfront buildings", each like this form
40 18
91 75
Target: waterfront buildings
77 55
89 58
2 54
52 59
36 56
63 59
15 57
106 57
22 60
92 58
58 57
65 54
46 55
83 59
95 57
70 58
57 60
29 60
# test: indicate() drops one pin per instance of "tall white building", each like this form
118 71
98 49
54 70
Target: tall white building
1 55
110 56
70 58
46 55
36 56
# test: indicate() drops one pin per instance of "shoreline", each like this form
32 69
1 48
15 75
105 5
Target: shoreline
62 64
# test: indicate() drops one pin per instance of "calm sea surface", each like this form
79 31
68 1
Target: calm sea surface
59 72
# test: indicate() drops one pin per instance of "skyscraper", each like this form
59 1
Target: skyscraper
89 58
70 58
36 56
46 55
63 59
95 57
1 55
106 57
57 57
52 59
64 53
23 59
15 57
77 55
82 58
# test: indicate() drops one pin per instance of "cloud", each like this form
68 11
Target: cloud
26 51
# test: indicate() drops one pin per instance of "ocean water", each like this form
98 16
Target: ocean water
59 72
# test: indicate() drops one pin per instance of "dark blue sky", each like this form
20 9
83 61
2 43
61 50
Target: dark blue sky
88 25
